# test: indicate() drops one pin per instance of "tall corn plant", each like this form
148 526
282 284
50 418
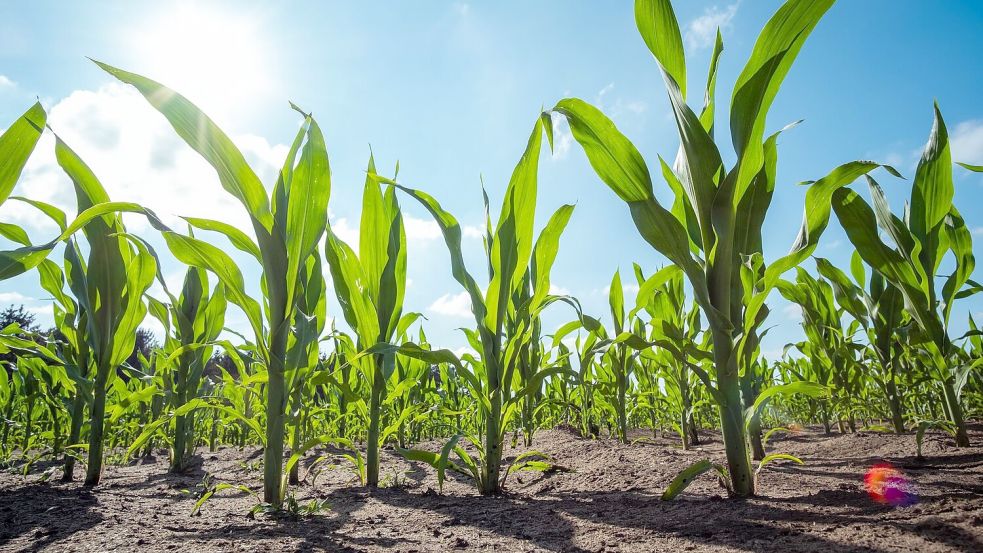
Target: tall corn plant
287 226
930 229
370 287
109 287
715 221
511 252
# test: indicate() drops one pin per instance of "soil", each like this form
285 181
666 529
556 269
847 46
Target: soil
607 501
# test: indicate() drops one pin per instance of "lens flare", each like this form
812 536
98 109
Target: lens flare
886 484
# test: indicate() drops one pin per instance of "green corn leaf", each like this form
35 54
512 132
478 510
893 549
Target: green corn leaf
659 28
544 253
308 191
237 238
686 477
615 159
774 52
16 145
53 213
207 139
811 389
931 195
512 245
776 457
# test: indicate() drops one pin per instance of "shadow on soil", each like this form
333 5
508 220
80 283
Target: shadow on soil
45 513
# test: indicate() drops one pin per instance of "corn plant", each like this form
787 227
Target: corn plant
370 287
287 227
675 326
109 288
829 344
877 305
69 345
917 243
715 221
193 320
510 255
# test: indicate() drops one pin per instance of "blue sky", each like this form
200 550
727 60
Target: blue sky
451 90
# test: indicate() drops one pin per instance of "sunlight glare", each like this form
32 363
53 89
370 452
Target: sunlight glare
215 57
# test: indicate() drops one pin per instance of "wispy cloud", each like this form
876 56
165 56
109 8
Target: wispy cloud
453 305
966 142
617 106
702 31
793 312
562 137
14 297
558 290
473 231
5 82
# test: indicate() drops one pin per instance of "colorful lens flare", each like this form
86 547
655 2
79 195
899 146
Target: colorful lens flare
886 484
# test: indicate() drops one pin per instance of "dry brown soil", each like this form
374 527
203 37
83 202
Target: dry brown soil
608 501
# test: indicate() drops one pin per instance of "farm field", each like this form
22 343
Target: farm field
676 315
821 506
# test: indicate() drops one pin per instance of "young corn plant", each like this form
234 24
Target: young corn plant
511 253
370 287
192 322
676 327
717 214
287 227
917 243
877 305
70 347
829 345
109 288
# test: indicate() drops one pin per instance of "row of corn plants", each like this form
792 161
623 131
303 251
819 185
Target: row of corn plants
680 358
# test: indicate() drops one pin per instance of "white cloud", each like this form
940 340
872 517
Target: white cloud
562 137
137 157
473 231
702 31
461 8
637 107
14 297
793 312
45 314
453 305
966 142
420 230
558 290
619 106
349 234
5 82
978 231
465 350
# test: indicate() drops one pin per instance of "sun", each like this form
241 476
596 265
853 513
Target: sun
218 58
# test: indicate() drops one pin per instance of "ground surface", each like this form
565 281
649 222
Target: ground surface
608 502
